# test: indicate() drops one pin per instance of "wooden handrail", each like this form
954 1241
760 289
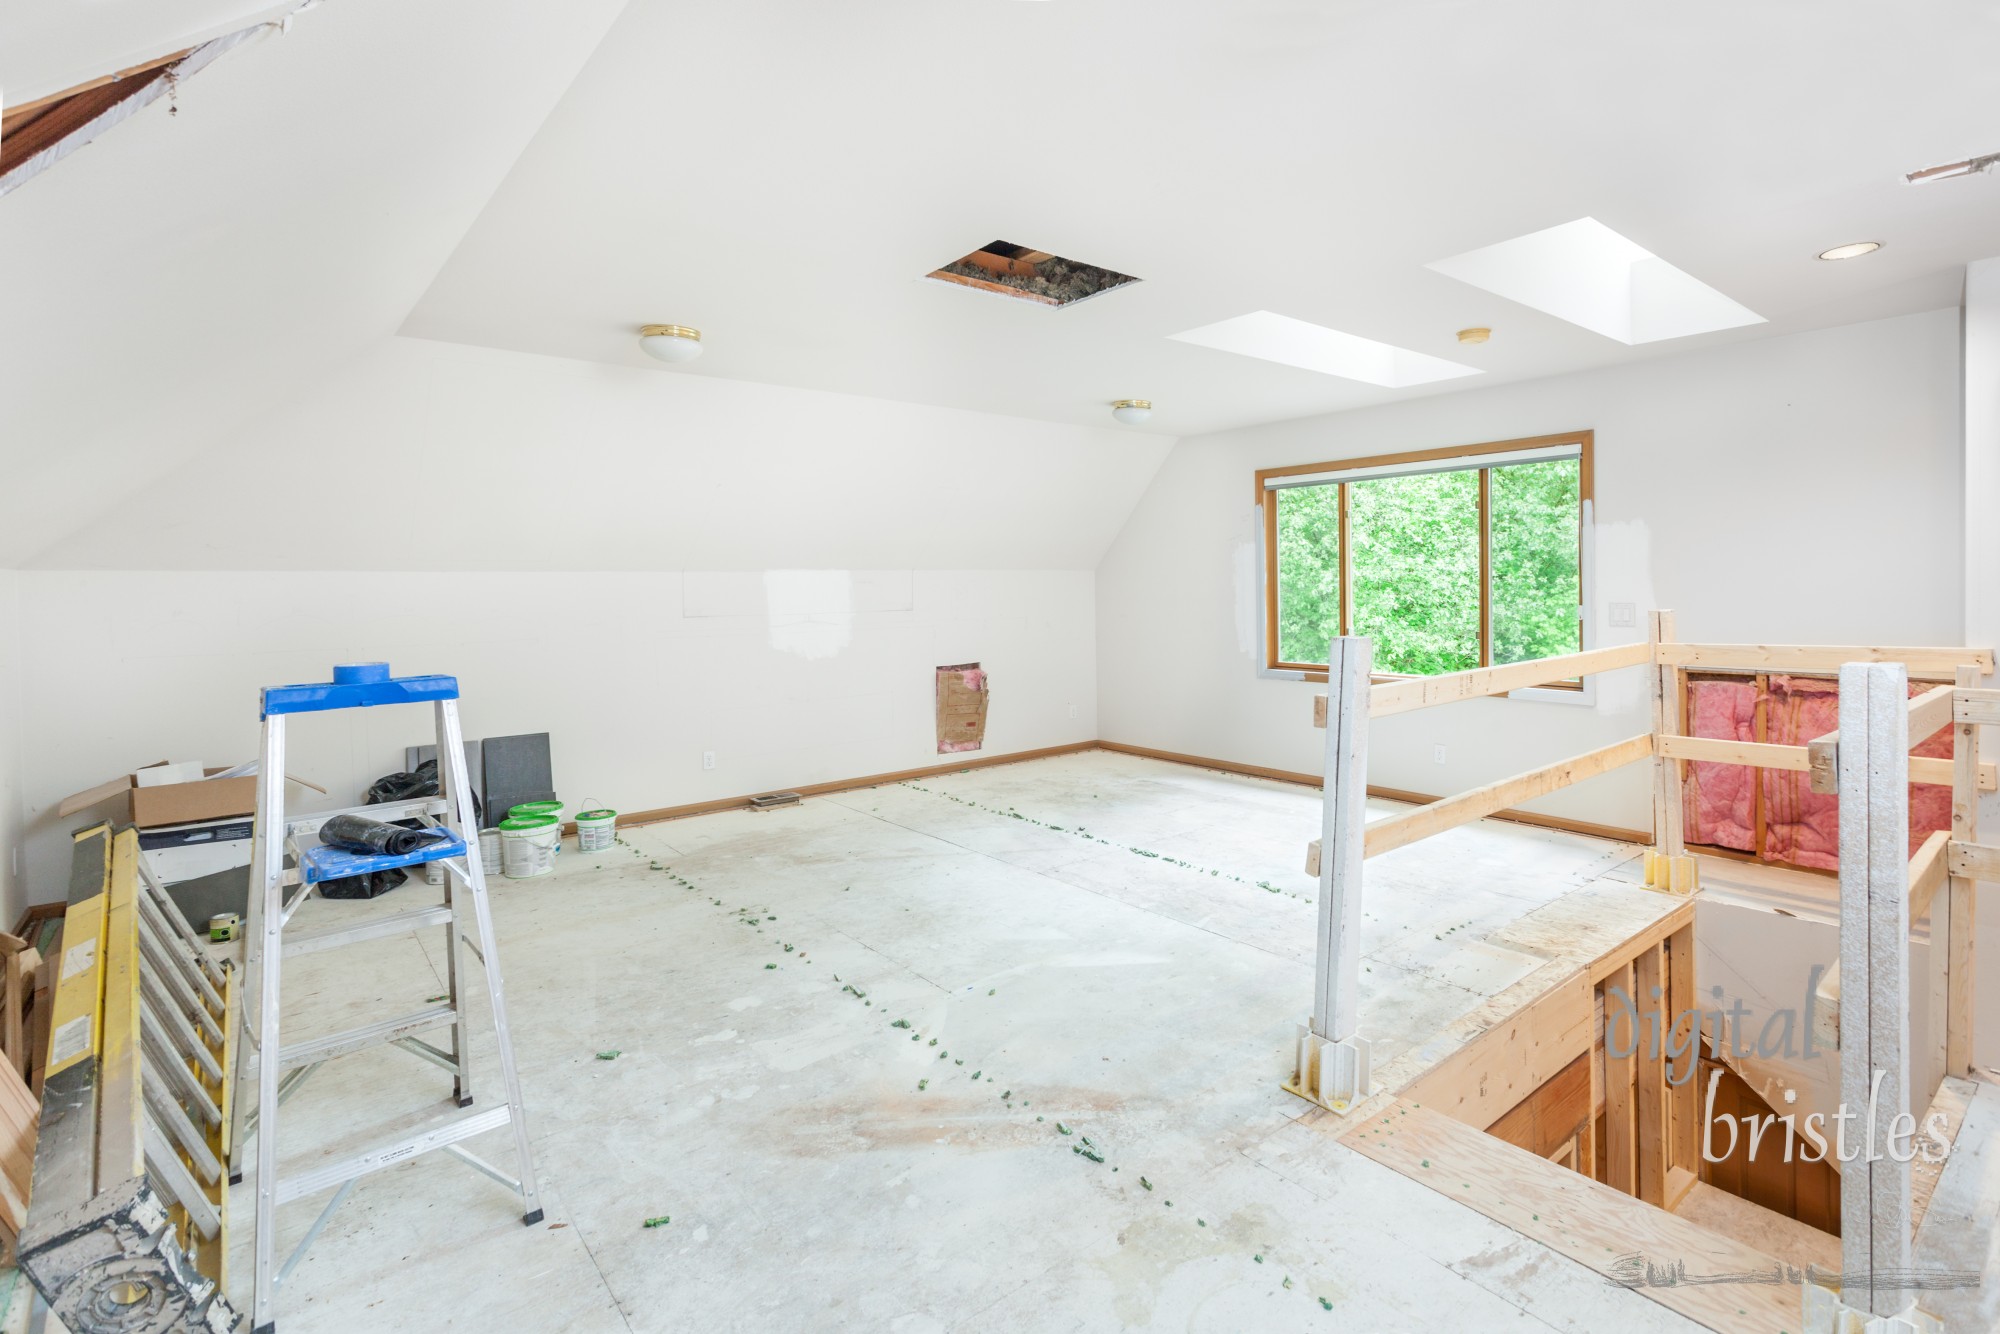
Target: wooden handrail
1401 830
1422 692
1929 662
1765 755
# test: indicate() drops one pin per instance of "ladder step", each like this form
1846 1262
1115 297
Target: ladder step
314 1050
333 937
320 862
388 1155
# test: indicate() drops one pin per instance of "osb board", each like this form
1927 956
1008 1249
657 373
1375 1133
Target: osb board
1574 1216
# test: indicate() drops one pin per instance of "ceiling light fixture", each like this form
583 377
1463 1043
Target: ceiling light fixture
1852 250
1474 335
670 342
1132 411
1972 166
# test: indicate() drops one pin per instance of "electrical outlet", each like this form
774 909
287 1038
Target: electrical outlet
708 759
1624 615
1437 754
1072 708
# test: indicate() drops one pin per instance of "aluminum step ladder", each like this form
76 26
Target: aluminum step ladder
465 916
128 1223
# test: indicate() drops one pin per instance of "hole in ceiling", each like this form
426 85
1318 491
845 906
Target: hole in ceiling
1006 269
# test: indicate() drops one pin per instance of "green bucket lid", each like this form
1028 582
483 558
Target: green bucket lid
521 823
597 815
535 808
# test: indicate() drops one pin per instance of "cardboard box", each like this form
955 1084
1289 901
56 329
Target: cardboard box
173 803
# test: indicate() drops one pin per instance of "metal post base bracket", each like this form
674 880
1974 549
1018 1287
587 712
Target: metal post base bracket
1826 1314
1672 875
112 1266
1333 1074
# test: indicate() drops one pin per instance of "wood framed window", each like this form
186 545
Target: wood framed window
1448 558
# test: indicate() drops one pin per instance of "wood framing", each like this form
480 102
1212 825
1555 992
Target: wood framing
1961 912
1920 663
1669 691
1268 526
1576 1217
1402 830
1800 759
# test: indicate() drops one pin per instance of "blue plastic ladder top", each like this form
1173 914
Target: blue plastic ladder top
356 685
328 863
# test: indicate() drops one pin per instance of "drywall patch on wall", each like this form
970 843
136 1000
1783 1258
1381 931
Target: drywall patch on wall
961 708
810 612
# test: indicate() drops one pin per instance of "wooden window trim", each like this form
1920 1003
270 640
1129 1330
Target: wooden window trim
1268 519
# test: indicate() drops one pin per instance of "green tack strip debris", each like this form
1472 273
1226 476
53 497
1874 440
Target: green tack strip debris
611 1055
661 1221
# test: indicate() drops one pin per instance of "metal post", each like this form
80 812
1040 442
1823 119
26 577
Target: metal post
1332 1058
1875 981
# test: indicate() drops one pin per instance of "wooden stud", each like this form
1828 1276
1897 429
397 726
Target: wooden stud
1874 955
1961 978
1402 830
1422 692
1665 690
1926 663
1621 1039
1801 759
1683 1007
1652 1144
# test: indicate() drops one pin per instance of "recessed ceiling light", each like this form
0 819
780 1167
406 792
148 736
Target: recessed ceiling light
1314 347
1852 250
670 342
1132 411
1972 166
1585 273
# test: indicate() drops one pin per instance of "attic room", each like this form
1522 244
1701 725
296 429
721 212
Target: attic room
1014 665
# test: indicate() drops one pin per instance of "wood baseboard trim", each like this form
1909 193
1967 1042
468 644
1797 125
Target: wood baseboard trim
1225 766
630 818
633 818
1534 818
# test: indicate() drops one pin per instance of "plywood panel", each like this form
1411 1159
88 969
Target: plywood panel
1512 1059
1578 1218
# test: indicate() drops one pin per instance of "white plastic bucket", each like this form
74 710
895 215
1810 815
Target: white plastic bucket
528 846
596 830
489 850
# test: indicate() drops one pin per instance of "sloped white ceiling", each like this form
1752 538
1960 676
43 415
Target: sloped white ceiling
434 456
781 174
183 273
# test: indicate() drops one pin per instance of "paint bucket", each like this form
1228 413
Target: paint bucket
434 872
596 830
489 850
528 845
528 808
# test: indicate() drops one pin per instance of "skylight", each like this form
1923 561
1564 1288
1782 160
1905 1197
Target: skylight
1314 347
1588 274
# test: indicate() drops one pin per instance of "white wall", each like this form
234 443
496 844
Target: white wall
539 463
791 678
1801 489
883 539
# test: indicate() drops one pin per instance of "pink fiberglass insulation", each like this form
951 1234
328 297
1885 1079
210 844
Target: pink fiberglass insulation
1802 826
1719 800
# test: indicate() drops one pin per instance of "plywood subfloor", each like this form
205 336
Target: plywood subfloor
1113 946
